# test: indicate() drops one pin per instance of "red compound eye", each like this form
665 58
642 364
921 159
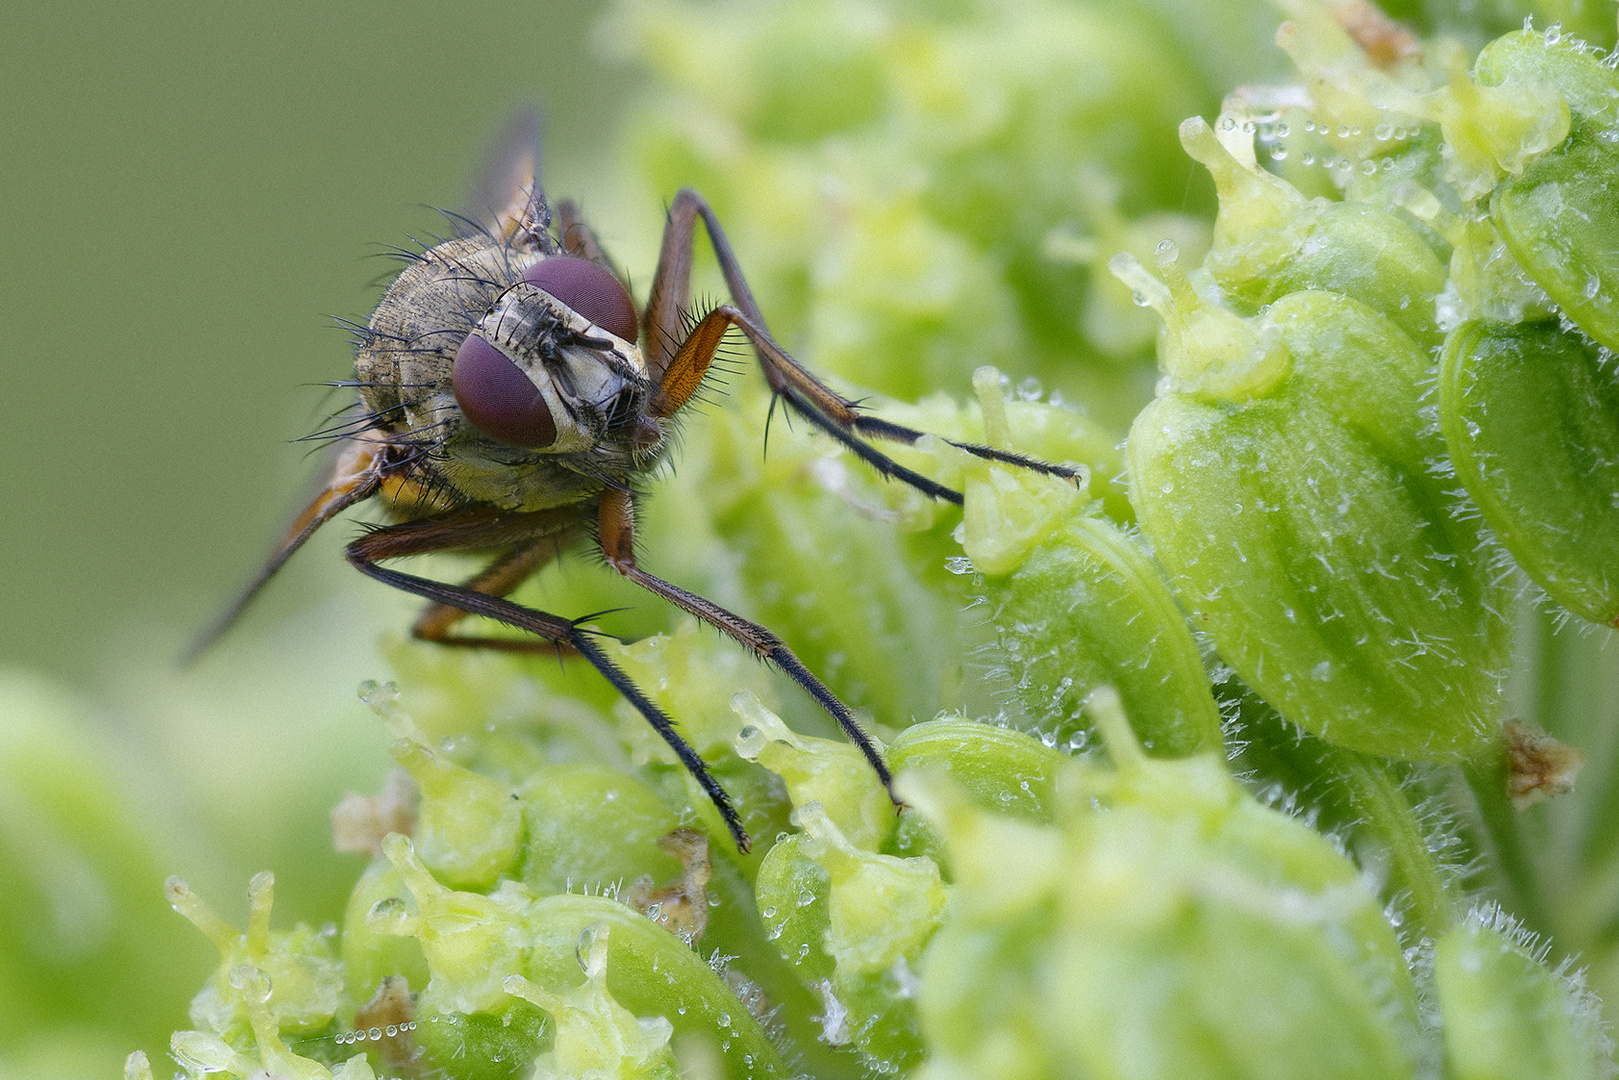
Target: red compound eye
498 398
589 289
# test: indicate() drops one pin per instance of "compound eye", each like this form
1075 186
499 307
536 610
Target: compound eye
589 289
498 398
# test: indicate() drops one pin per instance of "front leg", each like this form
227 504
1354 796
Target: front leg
616 534
677 360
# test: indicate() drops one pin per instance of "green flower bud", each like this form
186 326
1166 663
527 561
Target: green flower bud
829 772
1556 214
850 921
1206 351
368 956
1504 1014
1088 607
588 826
1270 241
1532 422
793 890
474 943
1552 62
1303 531
1494 131
1000 770
468 824
298 964
1166 926
595 1035
200 1053
853 924
1560 223
466 937
1075 602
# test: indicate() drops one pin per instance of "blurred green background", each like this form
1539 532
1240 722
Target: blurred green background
191 191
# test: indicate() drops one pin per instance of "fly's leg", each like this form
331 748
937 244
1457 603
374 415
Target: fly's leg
357 474
788 379
453 532
616 534
497 579
578 238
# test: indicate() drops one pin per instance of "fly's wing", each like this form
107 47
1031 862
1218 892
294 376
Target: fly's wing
508 201
356 475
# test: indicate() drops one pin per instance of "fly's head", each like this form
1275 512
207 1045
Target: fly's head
510 377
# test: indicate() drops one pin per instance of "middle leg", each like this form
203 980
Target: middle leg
616 534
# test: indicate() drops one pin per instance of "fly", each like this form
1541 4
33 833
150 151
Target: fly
514 400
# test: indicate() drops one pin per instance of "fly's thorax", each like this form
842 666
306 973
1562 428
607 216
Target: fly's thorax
404 357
